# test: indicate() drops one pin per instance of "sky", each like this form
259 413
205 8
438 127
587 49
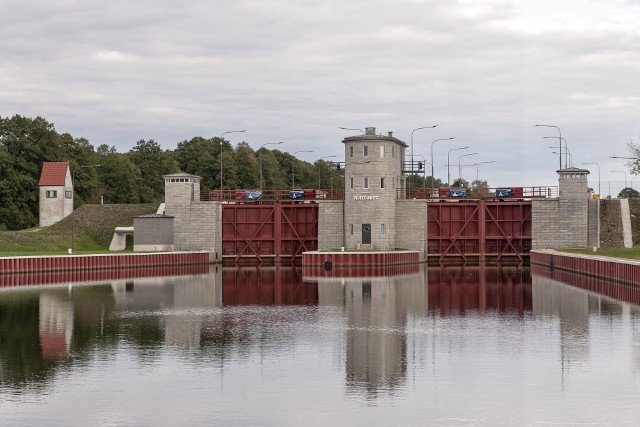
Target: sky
484 71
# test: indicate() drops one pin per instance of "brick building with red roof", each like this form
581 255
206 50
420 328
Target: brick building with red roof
56 192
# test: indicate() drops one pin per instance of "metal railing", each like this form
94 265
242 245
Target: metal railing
269 196
499 193
288 196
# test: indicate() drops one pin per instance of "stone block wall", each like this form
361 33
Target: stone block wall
411 225
330 222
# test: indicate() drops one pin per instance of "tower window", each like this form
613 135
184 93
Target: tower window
365 151
382 182
382 151
382 230
351 179
351 151
366 182
52 194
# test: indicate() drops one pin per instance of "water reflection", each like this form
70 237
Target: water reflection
428 331
376 311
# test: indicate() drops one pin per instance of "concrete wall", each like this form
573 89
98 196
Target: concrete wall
330 225
592 229
562 222
411 225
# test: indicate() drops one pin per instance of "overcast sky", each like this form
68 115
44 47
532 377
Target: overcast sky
484 71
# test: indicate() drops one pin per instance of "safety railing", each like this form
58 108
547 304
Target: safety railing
270 196
495 193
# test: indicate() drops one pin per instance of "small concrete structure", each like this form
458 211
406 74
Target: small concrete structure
153 232
55 192
119 240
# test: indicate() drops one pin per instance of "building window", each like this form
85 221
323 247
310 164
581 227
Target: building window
382 151
366 182
366 150
52 194
382 230
351 179
351 151
68 194
351 229
381 182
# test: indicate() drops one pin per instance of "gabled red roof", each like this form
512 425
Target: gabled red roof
53 173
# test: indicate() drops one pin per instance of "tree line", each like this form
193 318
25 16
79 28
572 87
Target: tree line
135 176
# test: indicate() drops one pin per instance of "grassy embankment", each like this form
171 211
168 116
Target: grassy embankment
94 227
627 253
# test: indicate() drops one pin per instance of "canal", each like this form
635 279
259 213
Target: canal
269 346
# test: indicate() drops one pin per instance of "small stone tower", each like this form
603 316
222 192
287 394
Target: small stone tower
373 178
563 222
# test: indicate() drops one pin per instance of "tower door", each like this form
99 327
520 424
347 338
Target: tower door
366 234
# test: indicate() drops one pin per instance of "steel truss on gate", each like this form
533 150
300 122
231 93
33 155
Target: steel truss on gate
479 229
269 230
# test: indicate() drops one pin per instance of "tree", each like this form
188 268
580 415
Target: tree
628 193
153 164
27 144
120 178
273 176
634 150
460 183
247 171
200 156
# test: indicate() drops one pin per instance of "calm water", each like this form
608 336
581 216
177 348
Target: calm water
437 346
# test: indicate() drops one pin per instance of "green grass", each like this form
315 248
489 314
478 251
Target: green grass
94 227
627 253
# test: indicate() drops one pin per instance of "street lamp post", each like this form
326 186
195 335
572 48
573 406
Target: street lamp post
293 167
433 178
221 141
73 200
560 140
320 159
344 128
412 132
566 148
593 163
478 168
625 177
263 145
448 169
459 163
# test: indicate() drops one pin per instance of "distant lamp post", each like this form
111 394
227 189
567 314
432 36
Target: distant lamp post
448 163
459 163
593 163
320 159
625 177
433 178
478 167
559 141
221 141
344 128
566 148
263 145
412 132
73 200
293 167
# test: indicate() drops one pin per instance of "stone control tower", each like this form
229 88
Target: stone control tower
373 178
